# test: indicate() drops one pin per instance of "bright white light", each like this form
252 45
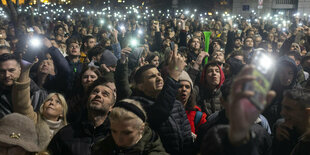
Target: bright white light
140 32
186 12
122 27
35 42
133 42
101 21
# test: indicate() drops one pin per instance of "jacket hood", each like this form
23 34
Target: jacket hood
285 60
203 80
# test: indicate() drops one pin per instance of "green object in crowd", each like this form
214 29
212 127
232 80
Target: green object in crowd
207 35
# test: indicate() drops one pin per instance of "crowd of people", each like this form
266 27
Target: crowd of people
95 83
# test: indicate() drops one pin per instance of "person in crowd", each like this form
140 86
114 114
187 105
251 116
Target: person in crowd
10 70
19 135
78 137
88 43
158 98
211 80
53 110
187 96
5 49
129 132
153 58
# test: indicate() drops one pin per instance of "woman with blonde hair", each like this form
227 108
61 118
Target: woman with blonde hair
129 132
52 114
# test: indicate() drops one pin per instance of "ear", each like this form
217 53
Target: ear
85 44
142 128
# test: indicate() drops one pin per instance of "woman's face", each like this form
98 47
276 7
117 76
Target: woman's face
125 132
52 108
88 78
155 61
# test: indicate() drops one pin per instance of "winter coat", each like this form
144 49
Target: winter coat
36 94
149 144
217 142
272 112
192 116
209 100
168 118
78 138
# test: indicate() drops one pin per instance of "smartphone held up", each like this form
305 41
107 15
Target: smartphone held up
264 71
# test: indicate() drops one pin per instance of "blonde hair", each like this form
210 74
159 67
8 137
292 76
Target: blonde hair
120 114
63 104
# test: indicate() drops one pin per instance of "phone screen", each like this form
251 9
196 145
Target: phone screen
264 71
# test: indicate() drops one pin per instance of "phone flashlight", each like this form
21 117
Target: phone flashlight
133 43
122 27
35 42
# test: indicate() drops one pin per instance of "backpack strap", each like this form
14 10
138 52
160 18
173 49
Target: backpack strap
197 118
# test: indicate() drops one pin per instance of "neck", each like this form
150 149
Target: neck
97 120
41 79
196 51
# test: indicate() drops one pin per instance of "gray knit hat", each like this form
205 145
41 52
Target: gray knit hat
19 130
185 77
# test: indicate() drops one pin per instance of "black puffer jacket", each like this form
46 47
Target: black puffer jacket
168 118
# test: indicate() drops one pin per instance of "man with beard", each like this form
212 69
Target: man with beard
218 57
77 138
10 70
248 46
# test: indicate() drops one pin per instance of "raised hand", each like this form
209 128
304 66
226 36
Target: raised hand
176 64
125 53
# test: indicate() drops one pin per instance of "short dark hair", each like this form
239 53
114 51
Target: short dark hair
300 95
95 51
98 82
8 56
295 54
73 40
138 78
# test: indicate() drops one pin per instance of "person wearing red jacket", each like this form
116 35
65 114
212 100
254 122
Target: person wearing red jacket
187 97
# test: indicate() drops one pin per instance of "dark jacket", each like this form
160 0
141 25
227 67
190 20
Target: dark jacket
78 138
37 96
58 82
168 118
75 71
217 142
149 144
272 112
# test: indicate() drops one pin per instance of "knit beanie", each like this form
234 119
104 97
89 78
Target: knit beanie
108 58
185 77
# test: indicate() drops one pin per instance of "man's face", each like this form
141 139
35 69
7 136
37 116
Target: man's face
249 42
294 47
2 34
9 71
294 114
216 46
238 43
47 67
152 82
213 76
251 34
74 49
91 43
286 75
195 44
218 57
4 51
258 40
101 99
184 91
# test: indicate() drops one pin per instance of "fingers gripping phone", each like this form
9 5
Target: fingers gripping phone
264 72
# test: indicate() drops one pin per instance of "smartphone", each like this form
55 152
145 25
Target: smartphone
264 71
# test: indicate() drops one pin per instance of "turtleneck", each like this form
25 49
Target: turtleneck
53 125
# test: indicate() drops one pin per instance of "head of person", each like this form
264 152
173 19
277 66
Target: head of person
257 40
46 66
295 56
128 120
296 108
238 55
18 135
3 33
194 44
238 42
54 108
212 76
100 98
216 45
89 75
218 56
250 33
295 47
10 69
248 42
185 91
153 59
5 49
148 80
270 37
83 31
287 71
89 42
73 47
59 30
